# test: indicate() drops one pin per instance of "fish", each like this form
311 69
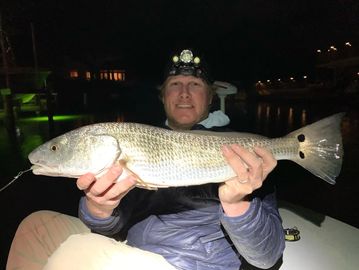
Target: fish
161 158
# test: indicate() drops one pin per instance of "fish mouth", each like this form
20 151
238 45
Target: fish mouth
40 169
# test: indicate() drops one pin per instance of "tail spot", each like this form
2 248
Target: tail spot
301 137
301 154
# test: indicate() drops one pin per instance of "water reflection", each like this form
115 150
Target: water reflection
304 117
275 119
270 119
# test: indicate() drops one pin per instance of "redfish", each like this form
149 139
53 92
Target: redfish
164 158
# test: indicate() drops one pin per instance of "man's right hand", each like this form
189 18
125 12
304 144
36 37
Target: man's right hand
105 193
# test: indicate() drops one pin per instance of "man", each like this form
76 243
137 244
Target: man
202 227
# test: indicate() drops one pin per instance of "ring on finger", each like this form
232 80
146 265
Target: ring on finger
243 181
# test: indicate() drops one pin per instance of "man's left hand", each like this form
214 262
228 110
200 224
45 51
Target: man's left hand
252 168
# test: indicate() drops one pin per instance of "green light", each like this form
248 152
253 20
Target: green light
58 118
67 117
30 143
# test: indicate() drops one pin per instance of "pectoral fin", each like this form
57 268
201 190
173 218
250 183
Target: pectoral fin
139 182
103 151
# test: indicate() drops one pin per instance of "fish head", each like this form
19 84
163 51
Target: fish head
74 154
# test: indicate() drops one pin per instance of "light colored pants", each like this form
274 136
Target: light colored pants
53 241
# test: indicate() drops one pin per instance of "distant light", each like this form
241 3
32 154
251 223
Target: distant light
319 51
268 80
259 81
305 76
348 44
291 78
120 76
333 48
279 80
74 74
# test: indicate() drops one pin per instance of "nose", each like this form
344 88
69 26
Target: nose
185 93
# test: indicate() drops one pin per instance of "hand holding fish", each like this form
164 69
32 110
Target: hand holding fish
251 168
105 193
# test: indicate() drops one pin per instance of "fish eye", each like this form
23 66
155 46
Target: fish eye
53 147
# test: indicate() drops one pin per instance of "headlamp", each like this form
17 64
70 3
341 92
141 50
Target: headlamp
187 64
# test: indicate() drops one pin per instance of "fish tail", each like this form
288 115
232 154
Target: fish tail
320 147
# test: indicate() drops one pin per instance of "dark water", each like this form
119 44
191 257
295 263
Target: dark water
273 119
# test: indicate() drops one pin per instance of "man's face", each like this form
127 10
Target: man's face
186 101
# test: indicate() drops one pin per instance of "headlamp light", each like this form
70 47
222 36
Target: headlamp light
186 56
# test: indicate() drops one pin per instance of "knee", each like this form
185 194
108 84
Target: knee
36 219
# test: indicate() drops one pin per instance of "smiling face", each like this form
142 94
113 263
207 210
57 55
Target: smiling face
186 101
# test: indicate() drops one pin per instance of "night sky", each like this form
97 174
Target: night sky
241 40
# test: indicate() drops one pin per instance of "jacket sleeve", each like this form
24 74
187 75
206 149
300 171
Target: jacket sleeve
129 212
106 226
257 234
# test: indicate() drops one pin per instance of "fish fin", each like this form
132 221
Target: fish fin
321 148
139 182
142 184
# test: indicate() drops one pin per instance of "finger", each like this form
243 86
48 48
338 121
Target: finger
237 164
85 181
249 158
120 189
113 195
234 160
255 175
269 162
106 181
233 187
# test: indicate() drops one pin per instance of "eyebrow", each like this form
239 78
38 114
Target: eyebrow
174 81
195 80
